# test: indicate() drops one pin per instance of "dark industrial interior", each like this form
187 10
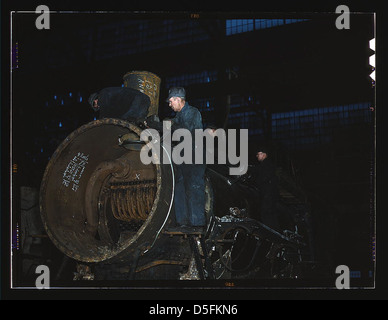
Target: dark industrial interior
295 82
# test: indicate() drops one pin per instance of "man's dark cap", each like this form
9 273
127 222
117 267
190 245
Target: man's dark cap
211 126
176 92
263 148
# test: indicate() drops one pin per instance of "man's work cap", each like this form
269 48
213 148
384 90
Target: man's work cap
263 148
178 92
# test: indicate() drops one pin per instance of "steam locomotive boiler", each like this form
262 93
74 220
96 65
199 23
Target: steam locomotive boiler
107 210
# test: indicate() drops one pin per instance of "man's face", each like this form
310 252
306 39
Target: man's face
212 132
95 104
175 103
261 156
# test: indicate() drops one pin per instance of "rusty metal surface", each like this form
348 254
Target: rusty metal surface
158 263
148 83
91 183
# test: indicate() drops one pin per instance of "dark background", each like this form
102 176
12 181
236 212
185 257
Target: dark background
272 73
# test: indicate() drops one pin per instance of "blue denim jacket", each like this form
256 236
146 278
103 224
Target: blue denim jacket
189 118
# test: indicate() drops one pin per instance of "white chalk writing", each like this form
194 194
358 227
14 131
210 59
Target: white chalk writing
74 171
147 87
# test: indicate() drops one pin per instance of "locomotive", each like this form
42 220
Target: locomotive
109 212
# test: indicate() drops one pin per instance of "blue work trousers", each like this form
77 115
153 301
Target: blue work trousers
190 194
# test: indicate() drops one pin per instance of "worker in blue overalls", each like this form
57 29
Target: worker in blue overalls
190 178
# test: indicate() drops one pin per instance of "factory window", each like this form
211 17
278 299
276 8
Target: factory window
243 116
65 100
191 78
235 26
305 127
236 101
204 104
246 120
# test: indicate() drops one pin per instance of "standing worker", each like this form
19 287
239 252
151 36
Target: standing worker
265 180
190 178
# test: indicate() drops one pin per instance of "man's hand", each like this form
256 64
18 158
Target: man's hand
149 123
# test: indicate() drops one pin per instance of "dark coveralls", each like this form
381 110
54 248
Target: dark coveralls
121 102
265 180
190 178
